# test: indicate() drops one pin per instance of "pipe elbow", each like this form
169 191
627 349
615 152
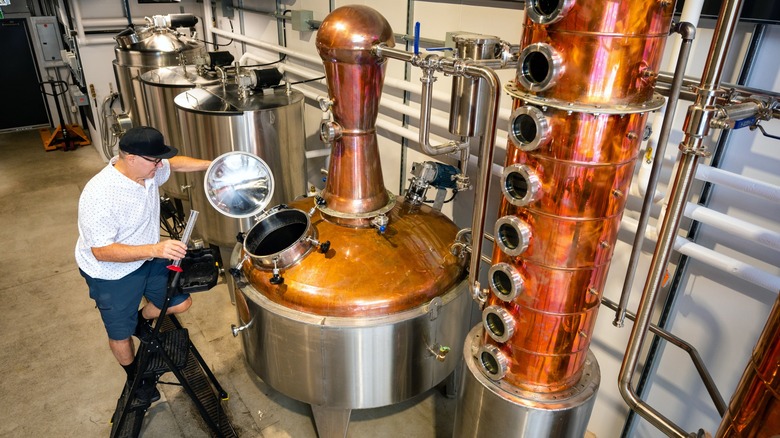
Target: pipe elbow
686 30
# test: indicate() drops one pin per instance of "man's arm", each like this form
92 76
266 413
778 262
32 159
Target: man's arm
188 164
119 252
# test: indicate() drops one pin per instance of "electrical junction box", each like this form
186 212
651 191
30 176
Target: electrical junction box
300 20
47 39
79 98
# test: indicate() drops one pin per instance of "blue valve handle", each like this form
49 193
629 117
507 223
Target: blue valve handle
417 38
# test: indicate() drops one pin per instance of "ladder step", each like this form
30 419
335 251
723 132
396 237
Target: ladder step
176 344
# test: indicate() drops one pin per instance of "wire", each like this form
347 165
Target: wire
454 193
284 56
216 45
307 80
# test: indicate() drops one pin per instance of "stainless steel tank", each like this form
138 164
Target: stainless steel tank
353 299
160 87
147 48
217 119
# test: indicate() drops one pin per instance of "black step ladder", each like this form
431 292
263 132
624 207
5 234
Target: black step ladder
167 348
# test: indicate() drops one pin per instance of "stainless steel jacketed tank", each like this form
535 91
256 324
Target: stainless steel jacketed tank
145 48
219 119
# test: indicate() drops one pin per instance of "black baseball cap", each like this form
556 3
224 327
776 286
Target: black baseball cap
146 141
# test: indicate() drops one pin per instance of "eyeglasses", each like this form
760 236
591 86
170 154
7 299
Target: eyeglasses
156 161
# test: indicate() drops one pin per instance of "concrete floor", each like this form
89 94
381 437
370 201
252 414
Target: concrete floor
59 379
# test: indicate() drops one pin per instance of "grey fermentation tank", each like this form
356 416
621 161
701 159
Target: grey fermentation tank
226 118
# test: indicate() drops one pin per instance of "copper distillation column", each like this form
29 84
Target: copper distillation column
583 90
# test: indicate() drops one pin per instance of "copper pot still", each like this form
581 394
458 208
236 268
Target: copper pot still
335 311
581 96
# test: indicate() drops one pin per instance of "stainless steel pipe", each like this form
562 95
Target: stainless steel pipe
696 126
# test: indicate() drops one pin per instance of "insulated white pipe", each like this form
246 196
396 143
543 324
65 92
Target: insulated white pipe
711 258
81 35
738 182
734 226
109 22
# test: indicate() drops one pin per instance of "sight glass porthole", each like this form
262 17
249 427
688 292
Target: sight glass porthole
528 128
520 184
498 323
512 235
506 283
538 67
492 361
547 11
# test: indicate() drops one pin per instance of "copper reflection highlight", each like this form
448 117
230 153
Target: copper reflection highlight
754 411
609 52
355 76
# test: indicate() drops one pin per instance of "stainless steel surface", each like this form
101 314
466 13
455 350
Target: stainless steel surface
352 362
470 96
691 148
215 121
151 48
688 32
488 408
239 184
160 86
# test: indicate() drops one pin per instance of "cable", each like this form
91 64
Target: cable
454 193
216 45
284 56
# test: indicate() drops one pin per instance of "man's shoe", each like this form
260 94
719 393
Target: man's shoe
147 392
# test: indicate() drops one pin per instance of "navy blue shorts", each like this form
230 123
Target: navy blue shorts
118 300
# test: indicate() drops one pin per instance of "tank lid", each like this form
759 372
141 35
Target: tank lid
239 184
225 100
177 76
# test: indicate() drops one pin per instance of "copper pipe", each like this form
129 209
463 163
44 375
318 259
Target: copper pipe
355 75
754 411
696 127
588 78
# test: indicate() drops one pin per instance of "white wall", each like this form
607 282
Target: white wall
720 315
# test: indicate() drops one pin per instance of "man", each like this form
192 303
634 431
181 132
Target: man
119 252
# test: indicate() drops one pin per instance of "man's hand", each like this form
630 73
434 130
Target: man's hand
170 249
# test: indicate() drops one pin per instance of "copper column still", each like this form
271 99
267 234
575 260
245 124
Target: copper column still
352 300
583 90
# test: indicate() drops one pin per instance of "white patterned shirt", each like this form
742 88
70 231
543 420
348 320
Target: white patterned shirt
115 209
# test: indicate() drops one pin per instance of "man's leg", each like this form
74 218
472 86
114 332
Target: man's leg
150 311
123 350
